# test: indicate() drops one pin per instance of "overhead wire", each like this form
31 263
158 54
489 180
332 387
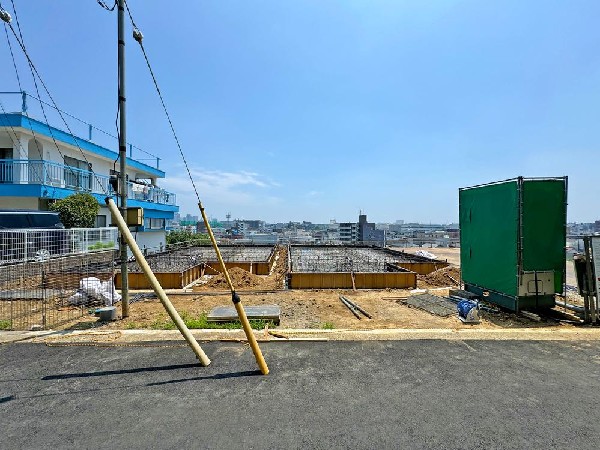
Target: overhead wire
34 73
17 144
137 35
13 58
16 141
118 130
35 140
105 6
19 79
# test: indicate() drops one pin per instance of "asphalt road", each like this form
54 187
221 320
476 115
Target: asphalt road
387 394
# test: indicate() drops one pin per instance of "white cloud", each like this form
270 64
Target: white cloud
227 189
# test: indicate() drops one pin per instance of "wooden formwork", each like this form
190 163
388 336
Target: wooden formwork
343 280
422 268
168 280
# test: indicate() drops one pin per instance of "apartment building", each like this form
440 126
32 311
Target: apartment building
40 164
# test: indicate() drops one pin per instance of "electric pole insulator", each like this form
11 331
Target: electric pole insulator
137 35
5 16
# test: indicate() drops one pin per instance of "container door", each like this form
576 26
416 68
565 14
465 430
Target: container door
488 236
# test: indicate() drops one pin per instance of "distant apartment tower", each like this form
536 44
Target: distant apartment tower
368 233
348 232
188 219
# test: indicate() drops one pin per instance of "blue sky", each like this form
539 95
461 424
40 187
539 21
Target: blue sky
314 110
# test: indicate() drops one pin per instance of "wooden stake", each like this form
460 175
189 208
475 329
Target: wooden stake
260 360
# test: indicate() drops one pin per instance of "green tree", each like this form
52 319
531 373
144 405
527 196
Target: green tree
177 236
77 211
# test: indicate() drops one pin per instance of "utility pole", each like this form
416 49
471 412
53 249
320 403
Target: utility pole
122 155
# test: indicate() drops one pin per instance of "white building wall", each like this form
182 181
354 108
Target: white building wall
152 240
28 150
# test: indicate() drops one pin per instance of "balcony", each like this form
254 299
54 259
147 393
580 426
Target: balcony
51 174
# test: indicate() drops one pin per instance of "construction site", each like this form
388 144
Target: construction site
297 267
183 267
304 282
360 267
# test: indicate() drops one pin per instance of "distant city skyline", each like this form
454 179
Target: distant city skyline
315 110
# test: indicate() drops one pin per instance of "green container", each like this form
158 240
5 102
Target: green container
512 241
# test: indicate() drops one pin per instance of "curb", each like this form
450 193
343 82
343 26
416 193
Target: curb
282 335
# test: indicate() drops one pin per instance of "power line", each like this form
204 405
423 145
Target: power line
35 140
105 6
138 36
37 144
13 58
35 72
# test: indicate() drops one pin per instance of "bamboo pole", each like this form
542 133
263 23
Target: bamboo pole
260 360
204 360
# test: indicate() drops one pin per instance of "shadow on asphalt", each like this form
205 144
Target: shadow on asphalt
7 399
218 376
118 372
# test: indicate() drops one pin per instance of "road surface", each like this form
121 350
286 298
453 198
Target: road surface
372 394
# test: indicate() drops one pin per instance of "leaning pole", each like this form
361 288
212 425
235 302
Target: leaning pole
160 293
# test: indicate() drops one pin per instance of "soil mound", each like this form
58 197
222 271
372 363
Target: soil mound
448 276
240 278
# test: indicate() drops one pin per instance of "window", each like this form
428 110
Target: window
80 176
154 224
157 224
100 221
6 168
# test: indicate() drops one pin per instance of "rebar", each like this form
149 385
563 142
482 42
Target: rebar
329 259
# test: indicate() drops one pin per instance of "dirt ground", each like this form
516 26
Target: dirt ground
320 309
452 255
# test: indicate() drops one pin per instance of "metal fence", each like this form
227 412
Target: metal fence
54 174
37 245
38 295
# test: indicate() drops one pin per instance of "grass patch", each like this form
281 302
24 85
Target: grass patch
201 322
327 326
5 325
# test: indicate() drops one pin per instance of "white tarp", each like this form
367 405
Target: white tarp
425 254
91 289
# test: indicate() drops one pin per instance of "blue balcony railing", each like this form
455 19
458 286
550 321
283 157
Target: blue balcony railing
32 106
46 173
